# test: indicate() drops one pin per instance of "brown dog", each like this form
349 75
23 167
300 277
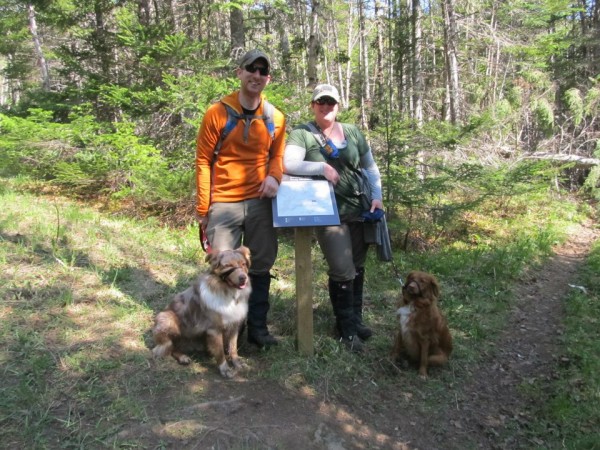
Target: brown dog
209 312
424 336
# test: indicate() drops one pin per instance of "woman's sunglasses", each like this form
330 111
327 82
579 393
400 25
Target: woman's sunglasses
326 101
264 71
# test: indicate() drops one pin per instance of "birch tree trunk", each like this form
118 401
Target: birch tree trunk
417 65
313 46
493 59
171 8
238 36
338 60
143 12
378 68
363 66
401 46
284 44
351 43
594 31
450 37
38 48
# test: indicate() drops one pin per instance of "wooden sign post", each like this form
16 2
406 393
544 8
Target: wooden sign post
304 291
303 204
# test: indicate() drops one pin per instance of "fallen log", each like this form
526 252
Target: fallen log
580 162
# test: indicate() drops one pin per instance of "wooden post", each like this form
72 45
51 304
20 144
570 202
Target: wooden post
304 291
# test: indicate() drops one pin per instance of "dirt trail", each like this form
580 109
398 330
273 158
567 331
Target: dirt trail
526 352
262 415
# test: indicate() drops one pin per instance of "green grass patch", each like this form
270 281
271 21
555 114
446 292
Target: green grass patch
79 290
569 405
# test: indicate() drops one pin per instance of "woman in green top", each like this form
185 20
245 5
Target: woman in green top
338 152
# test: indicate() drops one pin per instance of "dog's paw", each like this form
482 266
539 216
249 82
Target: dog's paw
184 360
226 371
238 364
161 350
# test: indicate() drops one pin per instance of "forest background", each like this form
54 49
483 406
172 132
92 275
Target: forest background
105 97
484 119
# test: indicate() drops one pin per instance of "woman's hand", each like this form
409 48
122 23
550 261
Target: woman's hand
376 203
331 174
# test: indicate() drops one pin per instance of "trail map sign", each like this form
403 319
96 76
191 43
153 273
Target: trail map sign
304 202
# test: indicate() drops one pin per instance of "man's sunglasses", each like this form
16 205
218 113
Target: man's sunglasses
264 71
326 101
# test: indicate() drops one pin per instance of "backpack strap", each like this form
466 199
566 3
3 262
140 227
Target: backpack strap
233 117
327 147
269 118
316 133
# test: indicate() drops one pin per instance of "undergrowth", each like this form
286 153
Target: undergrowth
79 290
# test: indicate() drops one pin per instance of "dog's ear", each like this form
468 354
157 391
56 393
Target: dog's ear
435 287
211 258
245 252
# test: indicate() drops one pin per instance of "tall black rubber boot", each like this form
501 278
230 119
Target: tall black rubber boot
258 307
341 295
362 331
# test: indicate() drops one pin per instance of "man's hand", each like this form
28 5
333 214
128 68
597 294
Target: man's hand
202 220
269 187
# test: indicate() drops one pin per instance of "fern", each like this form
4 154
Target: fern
574 102
537 78
592 102
503 109
544 115
71 174
592 183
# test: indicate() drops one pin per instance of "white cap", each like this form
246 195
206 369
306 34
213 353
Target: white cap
325 90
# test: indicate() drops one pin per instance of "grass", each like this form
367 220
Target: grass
570 411
79 289
78 294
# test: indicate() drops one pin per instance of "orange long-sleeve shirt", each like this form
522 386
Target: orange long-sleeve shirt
242 165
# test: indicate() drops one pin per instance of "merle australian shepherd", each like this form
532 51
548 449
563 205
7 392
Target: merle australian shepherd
209 314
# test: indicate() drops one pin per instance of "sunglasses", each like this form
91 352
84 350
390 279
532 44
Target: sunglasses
326 101
264 71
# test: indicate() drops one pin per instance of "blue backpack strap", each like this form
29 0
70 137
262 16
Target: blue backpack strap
268 117
233 117
326 146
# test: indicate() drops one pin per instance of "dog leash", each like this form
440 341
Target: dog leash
203 240
396 272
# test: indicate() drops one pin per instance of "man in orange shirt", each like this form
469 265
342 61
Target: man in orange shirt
234 191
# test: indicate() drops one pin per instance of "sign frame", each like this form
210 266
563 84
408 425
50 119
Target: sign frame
313 201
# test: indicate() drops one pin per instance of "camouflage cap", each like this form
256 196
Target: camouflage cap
325 90
252 56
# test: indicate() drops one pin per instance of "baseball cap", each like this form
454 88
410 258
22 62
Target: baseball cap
325 90
252 56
